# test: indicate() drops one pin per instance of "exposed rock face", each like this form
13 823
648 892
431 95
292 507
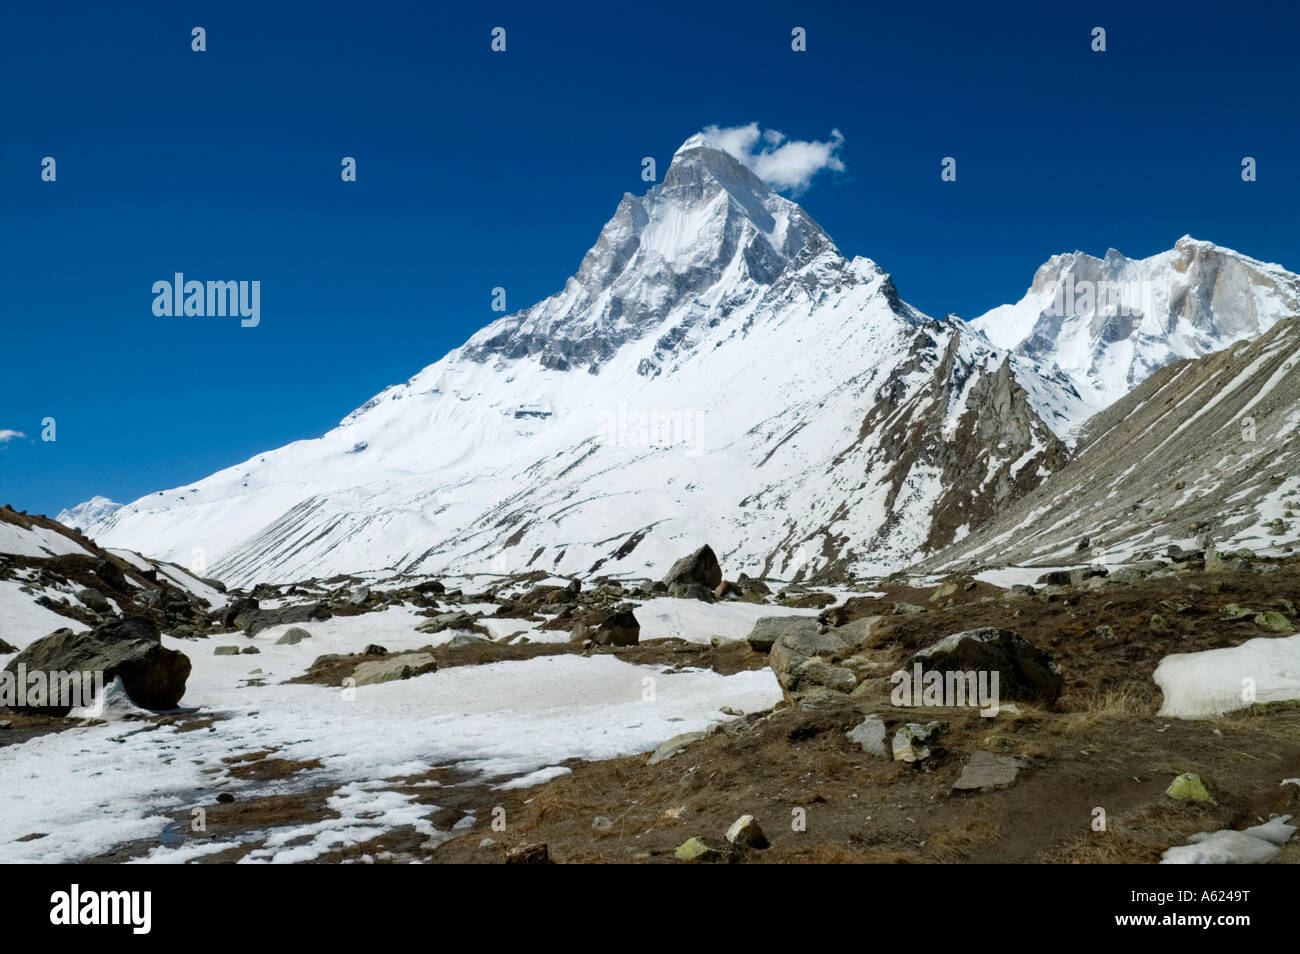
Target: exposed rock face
1024 670
1205 453
130 650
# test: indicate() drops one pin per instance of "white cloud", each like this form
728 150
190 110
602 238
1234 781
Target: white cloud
7 436
780 162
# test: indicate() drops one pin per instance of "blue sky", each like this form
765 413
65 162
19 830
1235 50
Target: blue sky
478 170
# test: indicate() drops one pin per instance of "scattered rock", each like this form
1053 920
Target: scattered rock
293 636
403 666
986 772
95 601
1188 787
915 742
7 647
250 651
693 849
746 833
673 746
1273 621
601 823
226 651
457 619
870 736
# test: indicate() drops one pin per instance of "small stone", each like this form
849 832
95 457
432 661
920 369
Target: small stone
1188 787
693 849
225 798
870 735
1273 621
1159 624
601 823
915 742
250 651
746 833
226 651
674 745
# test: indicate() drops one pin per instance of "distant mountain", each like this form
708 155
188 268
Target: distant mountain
87 514
1205 452
715 371
1109 323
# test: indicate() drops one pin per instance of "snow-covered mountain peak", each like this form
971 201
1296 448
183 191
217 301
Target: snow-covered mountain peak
87 513
1109 322
707 239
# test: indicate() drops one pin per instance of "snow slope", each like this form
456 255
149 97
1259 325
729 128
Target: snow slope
715 371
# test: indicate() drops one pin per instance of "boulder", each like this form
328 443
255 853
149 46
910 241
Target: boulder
768 629
95 601
700 567
243 606
293 636
262 619
1024 670
403 666
226 651
457 619
796 646
620 629
112 575
128 649
7 647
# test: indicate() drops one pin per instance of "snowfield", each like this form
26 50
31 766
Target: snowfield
102 786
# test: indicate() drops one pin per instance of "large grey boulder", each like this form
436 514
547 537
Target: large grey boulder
700 567
768 629
795 647
128 649
1024 670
